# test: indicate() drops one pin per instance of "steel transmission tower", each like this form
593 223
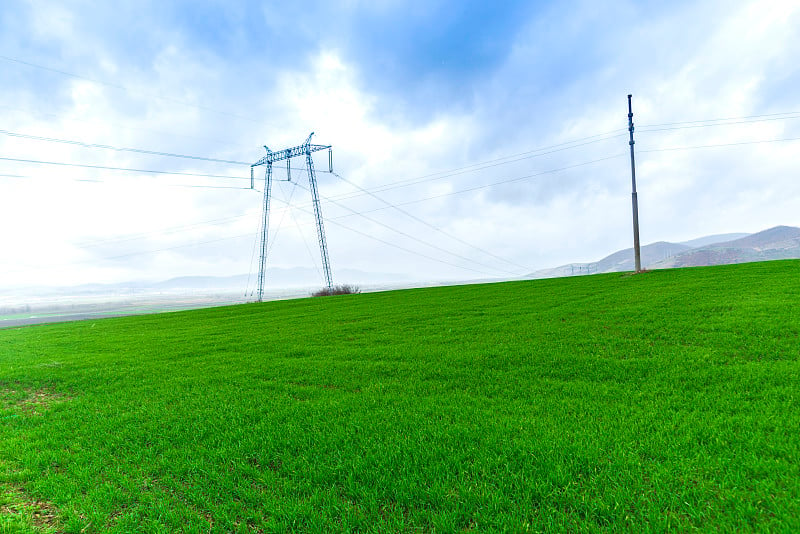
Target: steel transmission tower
287 154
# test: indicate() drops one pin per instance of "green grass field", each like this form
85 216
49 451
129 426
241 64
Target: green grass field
665 401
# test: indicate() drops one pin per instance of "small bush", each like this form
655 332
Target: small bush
344 289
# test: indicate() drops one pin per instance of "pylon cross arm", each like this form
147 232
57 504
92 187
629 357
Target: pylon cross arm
288 153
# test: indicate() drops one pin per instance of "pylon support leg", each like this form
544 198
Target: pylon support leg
323 245
262 264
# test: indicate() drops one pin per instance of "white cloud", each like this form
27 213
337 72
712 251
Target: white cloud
682 66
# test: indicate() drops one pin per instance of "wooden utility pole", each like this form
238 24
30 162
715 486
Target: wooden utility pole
634 200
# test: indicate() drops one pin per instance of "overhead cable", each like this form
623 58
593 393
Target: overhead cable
429 225
669 149
394 245
756 118
409 236
125 169
118 149
126 89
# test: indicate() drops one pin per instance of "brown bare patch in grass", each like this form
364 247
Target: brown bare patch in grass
634 273
41 515
29 400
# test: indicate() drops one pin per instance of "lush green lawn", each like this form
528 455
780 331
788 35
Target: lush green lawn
663 401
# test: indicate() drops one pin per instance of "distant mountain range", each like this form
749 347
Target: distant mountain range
781 242
276 277
184 292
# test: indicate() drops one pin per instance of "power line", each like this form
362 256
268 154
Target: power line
379 188
765 117
333 221
305 244
353 212
252 257
99 181
451 193
125 169
117 125
134 150
190 186
437 175
283 215
423 199
501 182
118 149
464 170
409 236
568 167
415 253
612 134
550 171
484 186
567 145
229 238
126 89
447 173
576 142
436 228
396 206
104 181
403 183
764 141
589 140
413 181
693 126
195 174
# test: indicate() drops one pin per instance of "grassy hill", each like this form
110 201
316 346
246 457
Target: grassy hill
663 401
778 243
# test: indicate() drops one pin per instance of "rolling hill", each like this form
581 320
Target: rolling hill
781 242
666 401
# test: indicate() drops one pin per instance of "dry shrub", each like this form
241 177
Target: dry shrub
343 289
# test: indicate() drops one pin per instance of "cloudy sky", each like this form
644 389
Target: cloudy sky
470 139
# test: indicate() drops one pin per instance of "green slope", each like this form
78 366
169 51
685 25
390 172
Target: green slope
663 401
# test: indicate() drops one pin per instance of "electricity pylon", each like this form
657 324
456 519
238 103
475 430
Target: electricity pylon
287 154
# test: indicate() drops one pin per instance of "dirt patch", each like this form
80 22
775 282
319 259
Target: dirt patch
30 401
634 273
41 515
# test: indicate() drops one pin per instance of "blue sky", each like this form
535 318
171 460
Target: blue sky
403 91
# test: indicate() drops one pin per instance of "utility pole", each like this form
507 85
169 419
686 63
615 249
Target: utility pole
634 200
306 149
